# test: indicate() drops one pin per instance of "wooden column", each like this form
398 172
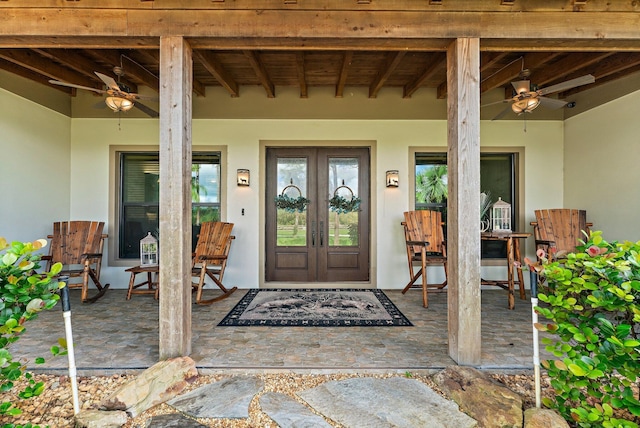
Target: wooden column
463 212
175 197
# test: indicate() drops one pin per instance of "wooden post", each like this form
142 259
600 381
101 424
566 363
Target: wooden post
175 197
463 211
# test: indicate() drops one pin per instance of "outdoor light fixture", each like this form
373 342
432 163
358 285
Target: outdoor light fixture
148 251
526 105
243 177
119 104
392 178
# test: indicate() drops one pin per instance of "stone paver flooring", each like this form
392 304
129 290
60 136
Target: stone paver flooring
115 335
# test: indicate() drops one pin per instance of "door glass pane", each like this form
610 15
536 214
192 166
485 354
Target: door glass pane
291 212
344 203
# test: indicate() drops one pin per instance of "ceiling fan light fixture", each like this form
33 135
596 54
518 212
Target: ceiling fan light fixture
526 105
119 104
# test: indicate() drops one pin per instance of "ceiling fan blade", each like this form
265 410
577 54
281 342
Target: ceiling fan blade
502 113
71 85
133 96
552 103
521 86
109 81
147 110
496 102
569 84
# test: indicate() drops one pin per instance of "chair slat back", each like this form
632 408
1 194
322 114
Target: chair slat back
425 225
72 239
214 239
563 226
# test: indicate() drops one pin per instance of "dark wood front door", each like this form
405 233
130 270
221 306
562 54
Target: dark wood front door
322 241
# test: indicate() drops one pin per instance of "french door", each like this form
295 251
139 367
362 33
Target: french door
317 214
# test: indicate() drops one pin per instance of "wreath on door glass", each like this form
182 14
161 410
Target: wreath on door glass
289 204
342 205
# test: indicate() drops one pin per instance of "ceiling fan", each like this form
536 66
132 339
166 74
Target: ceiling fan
528 97
119 96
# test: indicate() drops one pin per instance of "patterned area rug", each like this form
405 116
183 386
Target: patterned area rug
315 308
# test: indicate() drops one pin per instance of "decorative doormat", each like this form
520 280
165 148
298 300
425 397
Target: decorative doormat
315 308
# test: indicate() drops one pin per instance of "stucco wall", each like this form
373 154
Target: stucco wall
79 155
34 164
601 174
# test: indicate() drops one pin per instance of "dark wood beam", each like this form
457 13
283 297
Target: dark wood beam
566 66
261 72
393 60
344 73
512 71
302 80
38 64
213 66
33 76
434 66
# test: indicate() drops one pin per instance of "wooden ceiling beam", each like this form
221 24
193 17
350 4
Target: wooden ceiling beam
608 70
344 73
488 59
392 62
302 80
512 71
38 64
132 70
213 66
566 66
428 72
261 72
33 76
337 24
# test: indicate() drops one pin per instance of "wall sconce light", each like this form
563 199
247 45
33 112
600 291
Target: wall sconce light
243 177
392 178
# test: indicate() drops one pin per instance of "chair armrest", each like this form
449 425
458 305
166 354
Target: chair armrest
87 256
212 257
422 243
534 223
544 242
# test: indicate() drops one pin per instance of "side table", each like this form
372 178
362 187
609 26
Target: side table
152 285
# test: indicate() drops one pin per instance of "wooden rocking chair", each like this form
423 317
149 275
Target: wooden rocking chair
78 246
425 243
559 230
210 258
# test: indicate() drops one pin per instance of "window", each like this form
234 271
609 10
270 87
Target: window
139 196
497 179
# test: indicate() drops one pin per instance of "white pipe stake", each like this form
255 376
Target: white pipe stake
72 361
536 350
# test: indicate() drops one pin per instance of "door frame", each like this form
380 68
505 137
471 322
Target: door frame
375 186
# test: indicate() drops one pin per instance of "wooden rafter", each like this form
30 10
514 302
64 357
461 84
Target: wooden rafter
301 75
393 60
413 86
213 66
261 72
344 72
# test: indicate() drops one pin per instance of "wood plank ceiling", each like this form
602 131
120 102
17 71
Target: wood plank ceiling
371 65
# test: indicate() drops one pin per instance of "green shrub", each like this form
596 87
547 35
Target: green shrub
592 301
23 293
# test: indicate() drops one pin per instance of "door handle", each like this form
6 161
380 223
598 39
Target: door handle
313 233
321 233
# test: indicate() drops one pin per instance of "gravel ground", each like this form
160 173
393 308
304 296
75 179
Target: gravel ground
54 407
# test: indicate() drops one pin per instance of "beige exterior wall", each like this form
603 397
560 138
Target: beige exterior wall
81 147
35 159
601 173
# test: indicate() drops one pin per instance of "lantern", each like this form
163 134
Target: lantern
501 216
149 251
